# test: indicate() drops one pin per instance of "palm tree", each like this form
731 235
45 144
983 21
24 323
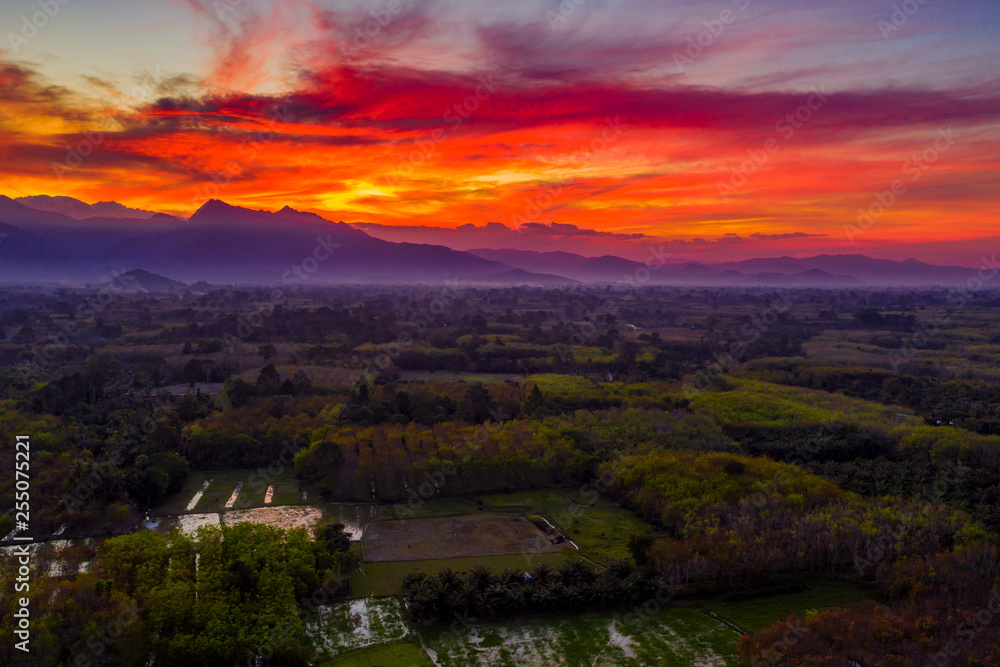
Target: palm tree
480 577
547 597
574 571
450 579
604 590
412 579
509 578
542 573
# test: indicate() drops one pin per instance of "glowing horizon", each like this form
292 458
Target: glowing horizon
731 128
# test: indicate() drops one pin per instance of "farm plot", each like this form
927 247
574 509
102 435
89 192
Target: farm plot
453 537
218 490
353 517
674 637
354 624
286 517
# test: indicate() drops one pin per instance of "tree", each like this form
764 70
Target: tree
269 379
476 403
266 351
301 381
336 539
640 546
192 371
533 401
239 392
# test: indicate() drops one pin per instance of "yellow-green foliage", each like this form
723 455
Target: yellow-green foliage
508 339
947 443
767 404
44 430
690 482
556 387
580 390
637 430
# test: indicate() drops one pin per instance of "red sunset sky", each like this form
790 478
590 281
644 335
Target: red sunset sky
726 129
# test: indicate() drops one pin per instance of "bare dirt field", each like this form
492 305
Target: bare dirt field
453 537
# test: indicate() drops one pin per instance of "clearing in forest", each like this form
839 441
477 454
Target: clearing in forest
354 624
454 537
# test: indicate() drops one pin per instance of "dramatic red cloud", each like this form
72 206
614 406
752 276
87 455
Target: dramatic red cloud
518 123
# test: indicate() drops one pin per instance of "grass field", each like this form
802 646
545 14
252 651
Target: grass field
387 578
355 624
419 507
405 654
674 637
287 491
758 613
602 534
483 534
220 490
542 498
595 523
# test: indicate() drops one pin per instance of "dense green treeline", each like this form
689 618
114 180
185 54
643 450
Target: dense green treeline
218 598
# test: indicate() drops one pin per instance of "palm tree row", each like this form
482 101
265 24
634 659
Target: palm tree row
573 586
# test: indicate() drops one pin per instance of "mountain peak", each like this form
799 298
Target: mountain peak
214 206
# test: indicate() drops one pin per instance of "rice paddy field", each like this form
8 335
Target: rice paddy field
356 624
673 637
374 631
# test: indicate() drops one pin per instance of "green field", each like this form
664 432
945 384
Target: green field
674 637
596 524
220 490
355 624
419 507
758 613
405 654
543 498
386 578
287 491
601 534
